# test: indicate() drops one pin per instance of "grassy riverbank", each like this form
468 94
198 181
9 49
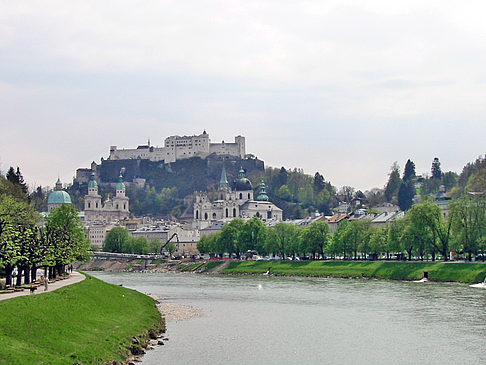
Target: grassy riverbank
438 271
90 322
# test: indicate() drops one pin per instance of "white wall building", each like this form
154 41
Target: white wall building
111 210
235 203
177 148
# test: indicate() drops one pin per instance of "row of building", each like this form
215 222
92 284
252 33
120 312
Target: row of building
233 200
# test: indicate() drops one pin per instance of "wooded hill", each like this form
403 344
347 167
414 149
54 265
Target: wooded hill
169 188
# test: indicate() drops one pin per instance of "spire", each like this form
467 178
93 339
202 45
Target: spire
223 182
263 195
241 173
58 184
148 142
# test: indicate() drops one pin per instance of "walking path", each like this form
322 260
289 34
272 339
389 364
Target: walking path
74 277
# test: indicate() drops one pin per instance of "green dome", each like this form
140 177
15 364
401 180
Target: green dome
59 197
263 195
92 182
120 185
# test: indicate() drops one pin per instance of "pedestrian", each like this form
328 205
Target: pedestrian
46 282
71 268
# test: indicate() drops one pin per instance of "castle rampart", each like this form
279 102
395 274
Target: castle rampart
177 148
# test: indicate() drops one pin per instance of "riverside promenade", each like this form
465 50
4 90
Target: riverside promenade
74 277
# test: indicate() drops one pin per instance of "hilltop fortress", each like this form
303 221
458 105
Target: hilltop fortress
177 148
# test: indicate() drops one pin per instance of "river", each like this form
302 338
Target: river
287 320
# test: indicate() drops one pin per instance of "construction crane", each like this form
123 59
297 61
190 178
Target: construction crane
170 239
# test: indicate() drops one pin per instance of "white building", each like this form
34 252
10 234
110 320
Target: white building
235 203
111 210
177 148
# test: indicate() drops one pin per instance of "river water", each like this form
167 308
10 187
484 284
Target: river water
285 320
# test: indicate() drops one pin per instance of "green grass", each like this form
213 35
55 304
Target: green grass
438 271
90 322
191 267
211 265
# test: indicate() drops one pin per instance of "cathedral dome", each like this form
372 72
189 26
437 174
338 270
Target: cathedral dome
59 197
242 184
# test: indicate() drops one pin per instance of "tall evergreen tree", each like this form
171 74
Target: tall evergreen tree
17 178
409 171
12 176
319 182
393 183
406 192
435 169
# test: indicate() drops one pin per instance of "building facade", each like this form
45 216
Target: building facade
181 147
236 202
111 210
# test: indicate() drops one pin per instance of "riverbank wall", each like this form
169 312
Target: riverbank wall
461 272
436 271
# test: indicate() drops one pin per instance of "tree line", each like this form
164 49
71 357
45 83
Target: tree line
119 240
27 242
423 233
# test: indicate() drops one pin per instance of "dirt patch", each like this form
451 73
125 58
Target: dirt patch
175 312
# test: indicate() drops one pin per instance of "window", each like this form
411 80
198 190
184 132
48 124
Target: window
248 195
227 213
214 215
197 214
89 205
234 212
241 196
206 216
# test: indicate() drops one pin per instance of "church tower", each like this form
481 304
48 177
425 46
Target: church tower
120 201
92 201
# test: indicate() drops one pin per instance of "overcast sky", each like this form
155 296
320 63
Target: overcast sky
341 87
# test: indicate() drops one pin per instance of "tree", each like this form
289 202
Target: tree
67 235
229 236
377 242
406 194
252 235
284 193
171 248
394 234
347 193
280 238
477 181
319 182
409 171
315 238
355 234
116 239
449 180
435 169
393 183
469 222
204 244
16 178
430 215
